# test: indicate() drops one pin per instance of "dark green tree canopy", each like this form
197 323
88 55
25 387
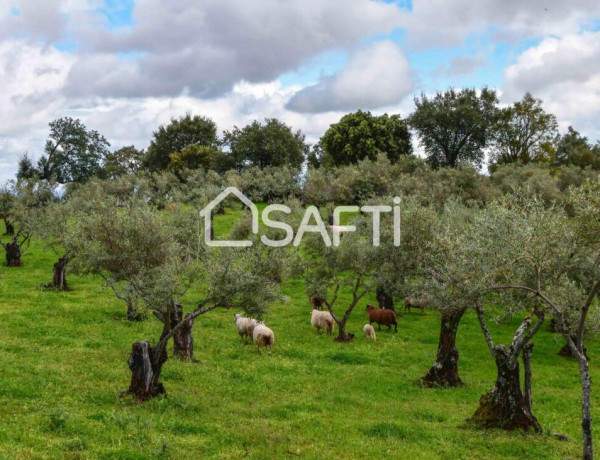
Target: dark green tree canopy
361 135
26 169
524 133
270 144
121 162
72 152
455 126
575 149
176 136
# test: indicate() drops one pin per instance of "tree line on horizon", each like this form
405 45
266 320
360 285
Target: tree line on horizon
455 128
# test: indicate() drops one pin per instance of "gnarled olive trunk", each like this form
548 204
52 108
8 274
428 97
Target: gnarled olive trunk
342 335
10 228
13 254
145 363
505 406
59 278
183 342
384 299
444 372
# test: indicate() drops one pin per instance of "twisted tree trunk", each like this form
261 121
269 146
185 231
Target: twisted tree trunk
145 363
13 254
342 335
10 228
505 406
444 372
59 279
183 342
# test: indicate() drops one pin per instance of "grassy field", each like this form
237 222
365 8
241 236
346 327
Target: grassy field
63 364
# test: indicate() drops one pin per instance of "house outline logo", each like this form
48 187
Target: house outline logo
206 212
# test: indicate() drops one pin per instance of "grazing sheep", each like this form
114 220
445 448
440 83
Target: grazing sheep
370 332
244 326
381 316
322 320
251 325
263 336
415 302
317 302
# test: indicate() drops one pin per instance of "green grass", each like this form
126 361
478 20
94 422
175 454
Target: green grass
63 364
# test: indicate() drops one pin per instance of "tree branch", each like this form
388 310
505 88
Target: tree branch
484 328
584 312
518 340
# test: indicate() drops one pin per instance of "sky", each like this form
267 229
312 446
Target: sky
126 66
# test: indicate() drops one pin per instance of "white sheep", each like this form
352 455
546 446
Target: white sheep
322 320
370 332
263 336
245 326
250 325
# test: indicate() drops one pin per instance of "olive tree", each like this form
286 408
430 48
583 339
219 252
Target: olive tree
399 265
160 255
540 252
522 250
448 283
332 270
23 199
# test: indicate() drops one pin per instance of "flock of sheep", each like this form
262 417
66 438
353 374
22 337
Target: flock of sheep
264 337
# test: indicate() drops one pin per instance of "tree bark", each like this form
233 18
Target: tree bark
145 363
183 342
10 228
586 414
59 279
444 372
342 336
567 352
13 254
505 406
527 349
384 299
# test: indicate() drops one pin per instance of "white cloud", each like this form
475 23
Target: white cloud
204 48
38 19
449 22
31 79
376 76
565 73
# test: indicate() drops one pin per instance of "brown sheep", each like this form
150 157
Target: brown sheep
415 302
382 316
